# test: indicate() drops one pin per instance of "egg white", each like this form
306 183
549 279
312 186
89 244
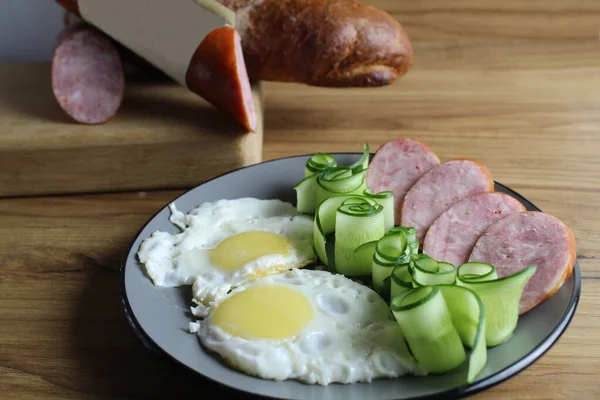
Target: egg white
351 337
184 258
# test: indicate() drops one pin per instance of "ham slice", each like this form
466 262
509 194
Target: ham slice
396 166
441 187
527 238
453 234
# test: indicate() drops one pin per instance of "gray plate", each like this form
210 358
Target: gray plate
160 316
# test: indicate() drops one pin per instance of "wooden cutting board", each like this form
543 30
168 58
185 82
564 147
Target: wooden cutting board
162 137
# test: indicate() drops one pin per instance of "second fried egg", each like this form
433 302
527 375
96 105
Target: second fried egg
311 326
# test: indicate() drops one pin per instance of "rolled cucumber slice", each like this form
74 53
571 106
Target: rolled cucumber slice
363 258
468 317
323 179
319 162
305 194
326 216
425 272
357 222
305 189
477 272
324 224
386 199
426 322
339 181
401 280
411 237
500 299
389 252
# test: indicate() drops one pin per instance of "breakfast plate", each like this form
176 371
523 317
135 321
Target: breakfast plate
161 316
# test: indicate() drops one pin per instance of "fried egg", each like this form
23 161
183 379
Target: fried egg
311 326
226 243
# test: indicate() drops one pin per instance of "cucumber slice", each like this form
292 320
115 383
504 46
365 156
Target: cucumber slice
411 237
357 222
394 249
306 188
389 252
325 224
363 258
427 271
426 263
319 162
426 322
305 194
401 280
468 317
500 299
364 158
477 272
339 181
323 179
386 199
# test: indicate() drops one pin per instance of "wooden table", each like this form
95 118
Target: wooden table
513 84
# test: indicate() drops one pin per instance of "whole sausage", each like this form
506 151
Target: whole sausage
396 167
440 188
87 75
527 238
453 234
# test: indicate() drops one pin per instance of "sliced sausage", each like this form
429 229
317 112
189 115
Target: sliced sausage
217 72
87 75
396 166
527 238
453 234
440 188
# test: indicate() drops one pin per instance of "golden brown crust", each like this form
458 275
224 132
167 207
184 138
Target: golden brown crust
334 43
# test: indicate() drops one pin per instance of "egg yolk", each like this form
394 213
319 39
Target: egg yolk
264 312
237 250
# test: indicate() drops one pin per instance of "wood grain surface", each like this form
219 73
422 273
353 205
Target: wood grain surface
159 135
514 84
